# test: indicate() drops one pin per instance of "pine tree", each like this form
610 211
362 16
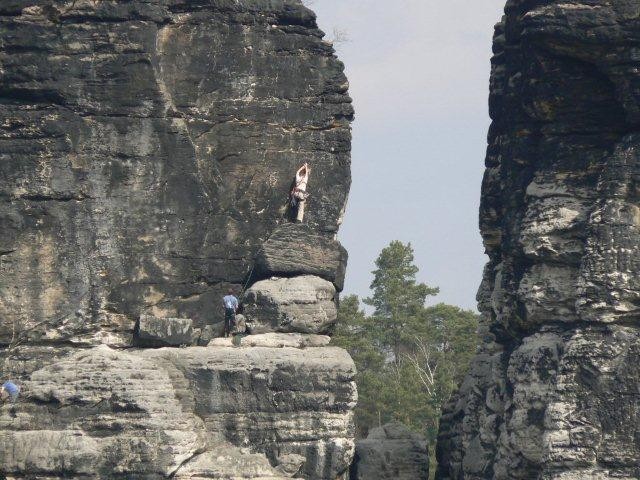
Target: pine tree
397 298
409 358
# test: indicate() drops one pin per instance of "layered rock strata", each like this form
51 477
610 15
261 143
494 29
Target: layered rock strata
147 152
188 413
164 332
553 393
295 249
305 304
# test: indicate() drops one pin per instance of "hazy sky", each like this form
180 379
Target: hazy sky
419 76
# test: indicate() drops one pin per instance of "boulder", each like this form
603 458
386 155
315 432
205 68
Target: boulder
241 324
274 340
304 304
391 452
296 249
221 342
164 332
209 333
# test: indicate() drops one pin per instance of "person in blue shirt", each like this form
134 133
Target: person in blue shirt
10 391
230 303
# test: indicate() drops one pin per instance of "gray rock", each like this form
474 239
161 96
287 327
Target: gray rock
221 342
208 333
290 464
304 304
241 324
140 187
164 332
275 340
225 460
296 249
148 148
391 452
194 412
553 392
279 340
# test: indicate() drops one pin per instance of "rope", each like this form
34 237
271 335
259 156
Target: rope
244 288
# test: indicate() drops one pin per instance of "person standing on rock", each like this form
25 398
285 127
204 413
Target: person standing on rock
9 391
230 303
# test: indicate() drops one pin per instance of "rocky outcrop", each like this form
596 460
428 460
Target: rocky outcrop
192 412
304 304
391 452
295 249
147 152
164 332
274 340
553 391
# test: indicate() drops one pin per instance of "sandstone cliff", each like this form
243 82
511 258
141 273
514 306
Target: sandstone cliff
147 151
553 394
148 148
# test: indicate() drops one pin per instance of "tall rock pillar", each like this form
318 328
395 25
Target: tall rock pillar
553 393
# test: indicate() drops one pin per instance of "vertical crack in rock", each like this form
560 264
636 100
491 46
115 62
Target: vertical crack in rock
552 393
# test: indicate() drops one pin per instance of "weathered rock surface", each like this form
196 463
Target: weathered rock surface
148 149
234 412
226 458
391 452
164 332
304 304
274 340
295 249
553 393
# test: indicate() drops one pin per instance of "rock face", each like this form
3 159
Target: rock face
553 393
295 249
391 452
192 412
148 149
147 153
164 332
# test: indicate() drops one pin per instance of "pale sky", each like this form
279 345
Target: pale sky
419 76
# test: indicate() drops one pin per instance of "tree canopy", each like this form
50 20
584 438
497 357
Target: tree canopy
410 357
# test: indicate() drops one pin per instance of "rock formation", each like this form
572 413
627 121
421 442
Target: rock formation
148 149
553 392
391 452
301 304
156 413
